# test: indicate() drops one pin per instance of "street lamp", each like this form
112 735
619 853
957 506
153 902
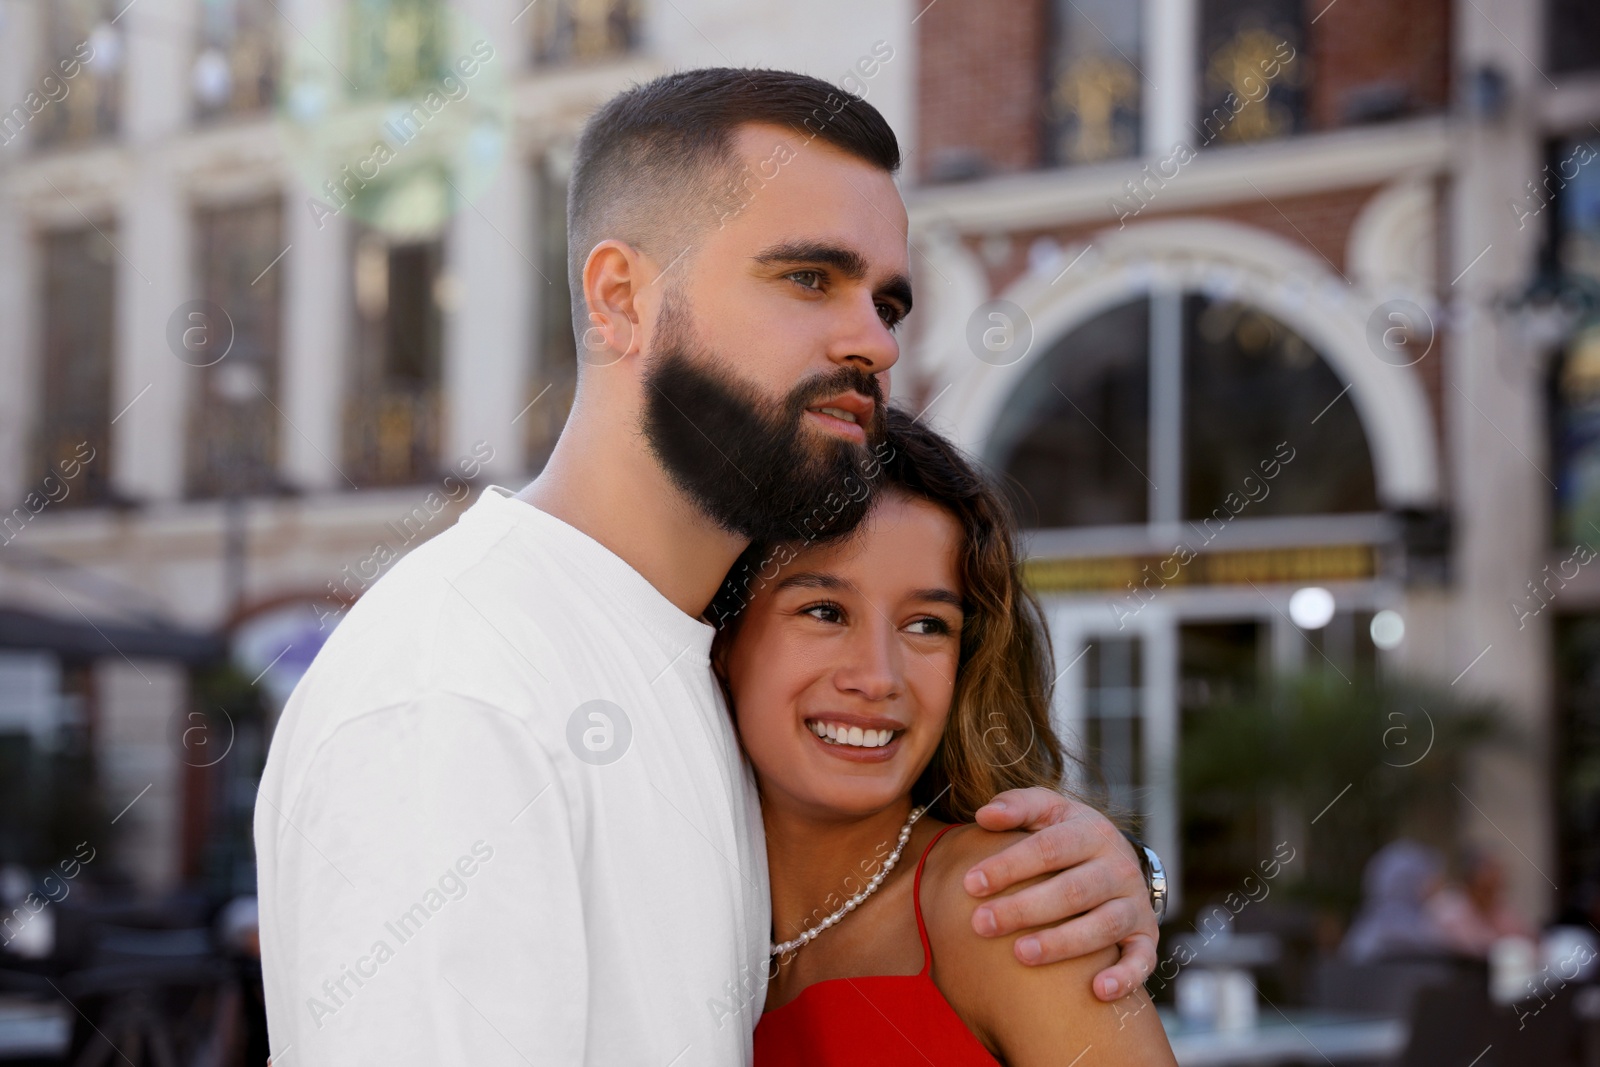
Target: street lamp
238 383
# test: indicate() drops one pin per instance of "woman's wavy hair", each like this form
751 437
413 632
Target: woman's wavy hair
998 736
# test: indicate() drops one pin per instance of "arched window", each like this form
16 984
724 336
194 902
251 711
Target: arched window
1160 408
1075 434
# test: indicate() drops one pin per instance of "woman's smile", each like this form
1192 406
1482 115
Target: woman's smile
859 740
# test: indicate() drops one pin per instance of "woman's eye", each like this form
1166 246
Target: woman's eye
935 626
828 612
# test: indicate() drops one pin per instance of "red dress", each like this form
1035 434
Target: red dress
884 1020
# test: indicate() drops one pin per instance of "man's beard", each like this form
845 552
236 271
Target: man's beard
748 462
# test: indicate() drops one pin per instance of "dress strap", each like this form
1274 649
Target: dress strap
916 900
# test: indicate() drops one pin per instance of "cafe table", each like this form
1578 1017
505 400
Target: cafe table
1289 1036
31 1028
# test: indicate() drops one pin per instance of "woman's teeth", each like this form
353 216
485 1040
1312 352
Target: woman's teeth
837 734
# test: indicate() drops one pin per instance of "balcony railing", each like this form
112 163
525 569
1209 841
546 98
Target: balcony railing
232 448
83 54
392 437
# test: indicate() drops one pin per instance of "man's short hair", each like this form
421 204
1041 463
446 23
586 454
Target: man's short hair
655 165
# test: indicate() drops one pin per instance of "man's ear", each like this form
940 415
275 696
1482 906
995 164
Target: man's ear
614 276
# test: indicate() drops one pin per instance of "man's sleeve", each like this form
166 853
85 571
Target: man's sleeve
424 905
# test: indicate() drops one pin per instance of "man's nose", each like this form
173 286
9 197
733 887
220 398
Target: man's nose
867 342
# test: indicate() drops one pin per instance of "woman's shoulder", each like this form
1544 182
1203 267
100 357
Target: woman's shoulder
958 850
948 908
973 842
1017 1008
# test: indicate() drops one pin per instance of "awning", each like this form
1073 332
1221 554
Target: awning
82 639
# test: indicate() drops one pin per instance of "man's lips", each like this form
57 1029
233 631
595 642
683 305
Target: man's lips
838 425
860 406
850 413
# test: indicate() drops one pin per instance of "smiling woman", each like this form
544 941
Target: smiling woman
977 616
885 686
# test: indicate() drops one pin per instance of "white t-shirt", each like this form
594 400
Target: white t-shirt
463 860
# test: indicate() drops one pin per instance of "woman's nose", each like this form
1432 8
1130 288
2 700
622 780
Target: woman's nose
873 666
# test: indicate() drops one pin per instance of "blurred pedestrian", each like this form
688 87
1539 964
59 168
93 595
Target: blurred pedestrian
1394 920
1475 914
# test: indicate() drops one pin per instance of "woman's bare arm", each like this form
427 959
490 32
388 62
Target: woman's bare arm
1038 1015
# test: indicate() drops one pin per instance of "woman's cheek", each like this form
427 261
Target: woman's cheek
937 701
763 724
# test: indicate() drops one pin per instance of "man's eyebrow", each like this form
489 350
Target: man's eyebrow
847 261
823 580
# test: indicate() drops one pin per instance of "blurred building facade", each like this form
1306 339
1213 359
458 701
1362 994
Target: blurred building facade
1301 287
285 284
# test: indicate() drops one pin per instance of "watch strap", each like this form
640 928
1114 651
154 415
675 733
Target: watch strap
1155 875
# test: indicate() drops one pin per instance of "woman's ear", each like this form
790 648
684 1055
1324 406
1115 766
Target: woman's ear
719 657
719 670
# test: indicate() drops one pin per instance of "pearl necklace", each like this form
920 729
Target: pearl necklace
850 905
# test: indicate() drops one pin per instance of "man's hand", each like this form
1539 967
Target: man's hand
1100 882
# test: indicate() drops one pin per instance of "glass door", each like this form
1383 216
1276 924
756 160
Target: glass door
1114 709
1221 664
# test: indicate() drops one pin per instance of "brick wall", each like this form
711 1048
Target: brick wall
980 78
980 84
1377 55
1318 222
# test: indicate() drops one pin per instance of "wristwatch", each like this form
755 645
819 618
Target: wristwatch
1155 876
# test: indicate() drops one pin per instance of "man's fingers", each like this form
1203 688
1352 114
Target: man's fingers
1128 973
1109 924
1069 893
1051 849
1024 809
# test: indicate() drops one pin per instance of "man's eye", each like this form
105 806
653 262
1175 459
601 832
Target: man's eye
890 314
816 274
